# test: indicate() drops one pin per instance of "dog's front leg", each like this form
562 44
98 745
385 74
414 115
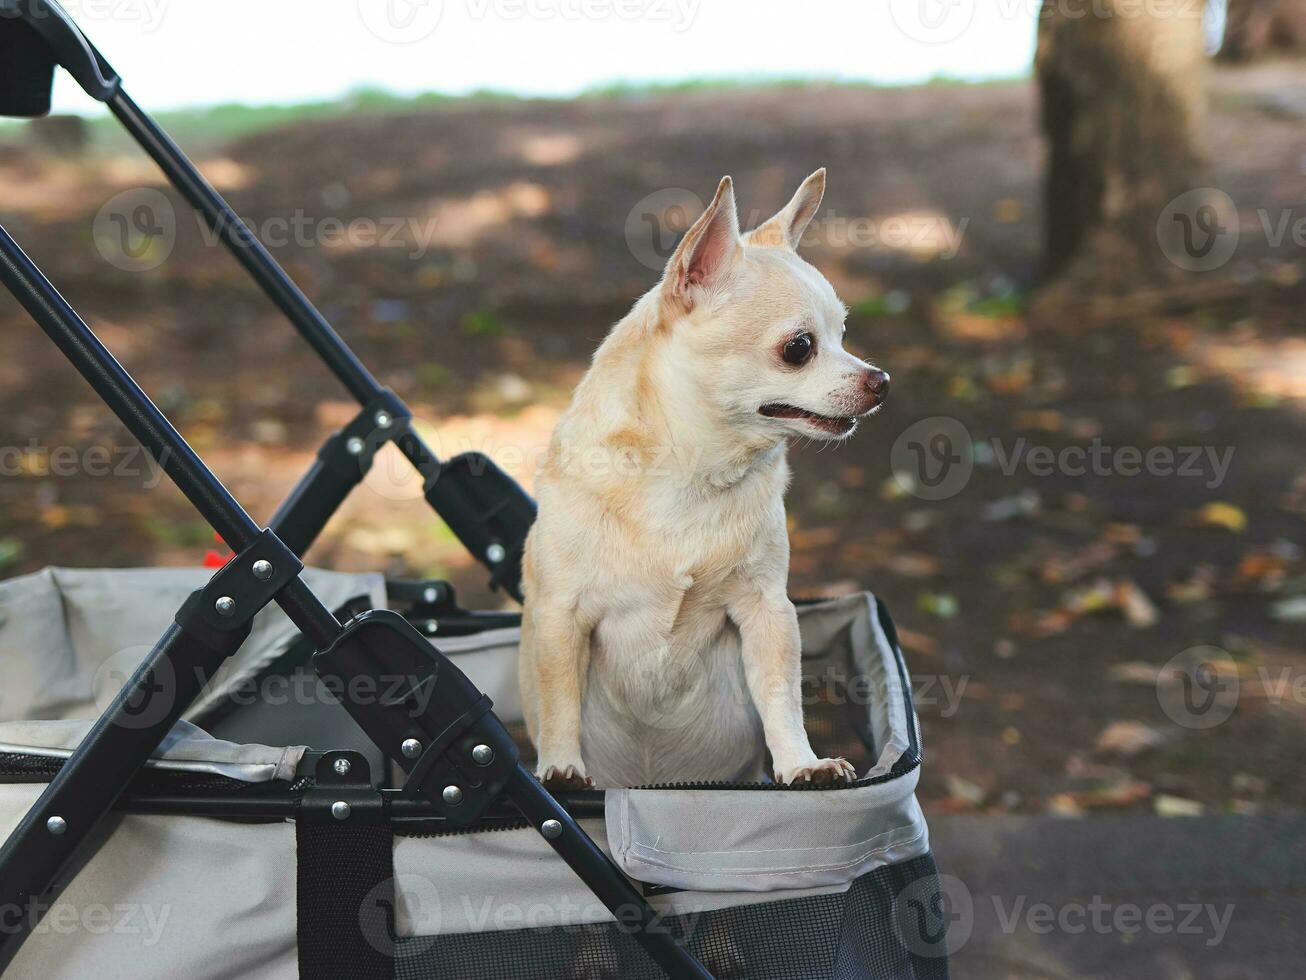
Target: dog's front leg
772 652
562 656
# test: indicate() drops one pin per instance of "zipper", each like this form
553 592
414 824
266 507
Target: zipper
21 768
490 825
785 788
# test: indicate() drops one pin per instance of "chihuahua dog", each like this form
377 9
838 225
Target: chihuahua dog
659 643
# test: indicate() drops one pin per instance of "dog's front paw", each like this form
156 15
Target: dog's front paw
726 962
822 772
563 778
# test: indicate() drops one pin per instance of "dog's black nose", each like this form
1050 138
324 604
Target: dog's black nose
877 384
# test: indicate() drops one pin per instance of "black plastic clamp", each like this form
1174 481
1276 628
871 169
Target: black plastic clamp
423 712
350 451
67 45
243 586
342 791
485 508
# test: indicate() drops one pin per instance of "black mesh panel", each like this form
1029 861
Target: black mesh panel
849 936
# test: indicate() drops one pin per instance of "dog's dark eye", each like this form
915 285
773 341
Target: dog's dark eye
798 350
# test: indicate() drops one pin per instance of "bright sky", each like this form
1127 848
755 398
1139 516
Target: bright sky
174 53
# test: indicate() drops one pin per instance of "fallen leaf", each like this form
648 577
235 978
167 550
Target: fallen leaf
1064 805
897 486
1140 613
1197 588
1095 598
1225 515
1177 806
917 642
1115 793
1023 504
1134 673
1245 784
1289 610
806 539
11 549
1128 739
1065 569
913 565
962 388
964 791
1040 420
937 604
1118 533
1041 625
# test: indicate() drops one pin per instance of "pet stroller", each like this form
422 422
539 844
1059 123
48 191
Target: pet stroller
172 809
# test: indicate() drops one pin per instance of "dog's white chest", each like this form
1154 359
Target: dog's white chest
667 699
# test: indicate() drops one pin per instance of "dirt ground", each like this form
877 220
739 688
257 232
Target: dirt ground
1037 608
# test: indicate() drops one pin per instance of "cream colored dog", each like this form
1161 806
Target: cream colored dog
659 643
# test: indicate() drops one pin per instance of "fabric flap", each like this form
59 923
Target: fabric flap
186 749
764 840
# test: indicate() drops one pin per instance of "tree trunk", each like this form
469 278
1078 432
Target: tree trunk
1255 29
1124 106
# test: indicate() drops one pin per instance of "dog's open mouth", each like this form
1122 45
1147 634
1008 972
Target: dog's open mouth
836 425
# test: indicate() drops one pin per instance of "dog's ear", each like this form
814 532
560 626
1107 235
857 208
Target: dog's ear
709 250
786 229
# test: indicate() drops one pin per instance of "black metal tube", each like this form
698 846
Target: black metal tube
404 810
603 878
313 501
247 249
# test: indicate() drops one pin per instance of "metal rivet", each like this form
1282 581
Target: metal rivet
432 627
411 748
342 766
496 553
431 595
262 569
355 446
551 829
482 755
341 810
452 795
56 825
225 606
382 420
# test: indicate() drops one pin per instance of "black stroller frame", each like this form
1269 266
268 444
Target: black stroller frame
460 761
